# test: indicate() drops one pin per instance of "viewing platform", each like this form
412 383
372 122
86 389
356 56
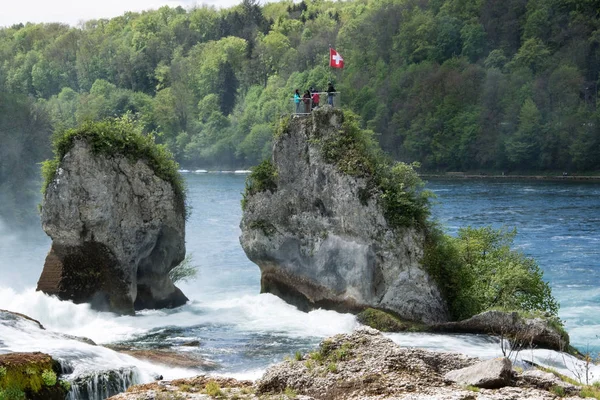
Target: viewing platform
305 105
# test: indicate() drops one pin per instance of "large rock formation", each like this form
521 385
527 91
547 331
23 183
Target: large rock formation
117 230
321 242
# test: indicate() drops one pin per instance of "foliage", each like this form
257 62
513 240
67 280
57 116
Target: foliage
49 377
24 376
396 185
479 270
262 178
12 393
117 136
213 389
185 271
507 86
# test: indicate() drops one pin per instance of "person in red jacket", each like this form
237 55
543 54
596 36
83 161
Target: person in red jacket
315 98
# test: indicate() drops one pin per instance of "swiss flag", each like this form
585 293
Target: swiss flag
335 59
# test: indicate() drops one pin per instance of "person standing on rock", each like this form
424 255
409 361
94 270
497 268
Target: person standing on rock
315 98
297 100
330 94
306 99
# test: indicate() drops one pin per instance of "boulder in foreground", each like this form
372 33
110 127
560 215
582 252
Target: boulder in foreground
363 365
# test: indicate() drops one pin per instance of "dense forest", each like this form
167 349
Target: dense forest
457 85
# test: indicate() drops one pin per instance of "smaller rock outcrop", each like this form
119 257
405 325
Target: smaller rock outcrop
315 223
117 229
32 376
489 374
523 332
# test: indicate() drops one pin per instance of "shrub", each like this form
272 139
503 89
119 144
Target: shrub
478 271
117 136
262 178
213 389
397 186
185 271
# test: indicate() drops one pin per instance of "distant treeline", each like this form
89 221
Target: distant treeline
454 84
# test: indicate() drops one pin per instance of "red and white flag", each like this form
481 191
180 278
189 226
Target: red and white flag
335 59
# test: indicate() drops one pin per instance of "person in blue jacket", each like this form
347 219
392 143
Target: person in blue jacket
297 100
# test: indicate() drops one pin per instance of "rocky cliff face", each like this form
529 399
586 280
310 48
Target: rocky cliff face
320 243
117 230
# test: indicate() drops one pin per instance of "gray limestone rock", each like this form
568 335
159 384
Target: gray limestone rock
319 243
523 332
489 374
117 230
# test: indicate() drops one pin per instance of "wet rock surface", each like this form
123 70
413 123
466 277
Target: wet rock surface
531 332
117 230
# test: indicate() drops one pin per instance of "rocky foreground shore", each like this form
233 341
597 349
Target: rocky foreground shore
367 365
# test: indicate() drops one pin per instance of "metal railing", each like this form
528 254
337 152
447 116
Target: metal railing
305 105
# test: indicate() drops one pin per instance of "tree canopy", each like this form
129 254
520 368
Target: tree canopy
452 84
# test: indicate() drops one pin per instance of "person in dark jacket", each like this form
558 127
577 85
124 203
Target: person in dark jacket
306 100
330 94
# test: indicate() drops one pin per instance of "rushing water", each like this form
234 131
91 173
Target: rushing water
241 332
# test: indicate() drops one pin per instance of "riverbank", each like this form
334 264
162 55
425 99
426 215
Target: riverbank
507 177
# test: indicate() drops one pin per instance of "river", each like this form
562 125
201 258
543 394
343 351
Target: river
241 332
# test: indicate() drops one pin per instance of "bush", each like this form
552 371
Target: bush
185 271
396 185
213 389
478 271
262 178
117 136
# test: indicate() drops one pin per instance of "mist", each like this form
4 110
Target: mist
22 254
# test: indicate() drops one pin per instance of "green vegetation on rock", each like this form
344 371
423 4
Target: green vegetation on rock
185 271
396 184
479 271
117 136
385 322
262 178
29 375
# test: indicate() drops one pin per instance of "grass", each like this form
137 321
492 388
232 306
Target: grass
587 391
558 390
290 392
472 388
213 389
117 136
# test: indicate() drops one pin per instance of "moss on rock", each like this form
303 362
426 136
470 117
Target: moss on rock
386 322
30 376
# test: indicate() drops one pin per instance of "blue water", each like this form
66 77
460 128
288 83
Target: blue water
558 224
243 332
